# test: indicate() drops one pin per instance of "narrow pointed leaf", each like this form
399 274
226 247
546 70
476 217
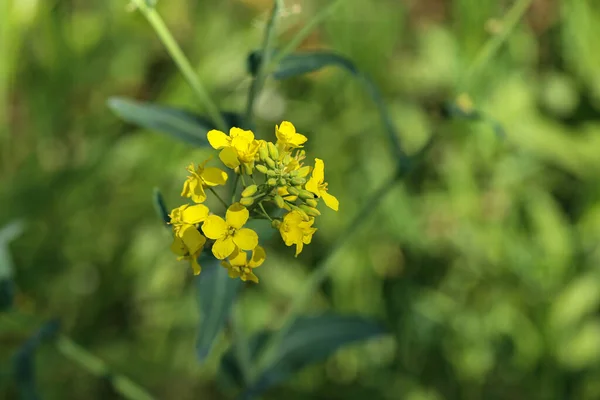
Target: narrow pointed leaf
24 360
181 124
309 341
216 295
305 62
160 206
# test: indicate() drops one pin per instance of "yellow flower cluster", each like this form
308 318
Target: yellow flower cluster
272 175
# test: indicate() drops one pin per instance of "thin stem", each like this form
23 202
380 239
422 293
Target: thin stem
182 62
265 57
235 184
491 47
300 36
218 197
123 385
264 211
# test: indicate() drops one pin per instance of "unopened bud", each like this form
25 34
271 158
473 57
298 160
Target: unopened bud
298 181
286 159
310 210
269 161
247 201
273 151
293 191
275 223
247 169
311 202
272 182
301 211
305 194
271 173
282 182
279 201
263 153
261 168
249 191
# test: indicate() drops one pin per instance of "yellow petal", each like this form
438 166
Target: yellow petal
258 257
223 247
319 171
298 139
195 265
218 139
238 258
196 191
237 215
214 176
313 186
330 200
233 273
193 240
229 157
304 171
214 227
250 277
194 214
178 247
299 247
240 133
245 239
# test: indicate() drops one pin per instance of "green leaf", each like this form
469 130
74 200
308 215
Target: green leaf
160 206
301 63
216 294
310 340
24 359
181 124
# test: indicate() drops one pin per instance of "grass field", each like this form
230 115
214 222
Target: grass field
483 262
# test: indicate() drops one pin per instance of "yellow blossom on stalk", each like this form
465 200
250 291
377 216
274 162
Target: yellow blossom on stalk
188 241
317 185
238 265
288 137
297 229
228 233
179 248
295 164
239 147
200 178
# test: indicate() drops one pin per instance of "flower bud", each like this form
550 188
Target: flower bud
311 202
272 182
282 182
305 194
261 168
269 161
298 181
249 191
310 210
301 211
286 159
271 173
275 223
263 153
247 169
293 191
279 201
247 201
273 151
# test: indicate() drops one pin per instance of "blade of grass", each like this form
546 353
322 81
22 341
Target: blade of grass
182 62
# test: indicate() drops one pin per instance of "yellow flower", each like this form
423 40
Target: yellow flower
238 265
184 219
239 147
295 164
200 178
229 233
317 185
296 229
179 248
288 137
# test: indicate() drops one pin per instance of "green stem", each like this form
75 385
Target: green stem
300 36
235 185
123 385
491 47
320 274
264 211
218 197
265 57
182 62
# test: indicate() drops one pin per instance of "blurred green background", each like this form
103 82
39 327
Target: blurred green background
484 263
